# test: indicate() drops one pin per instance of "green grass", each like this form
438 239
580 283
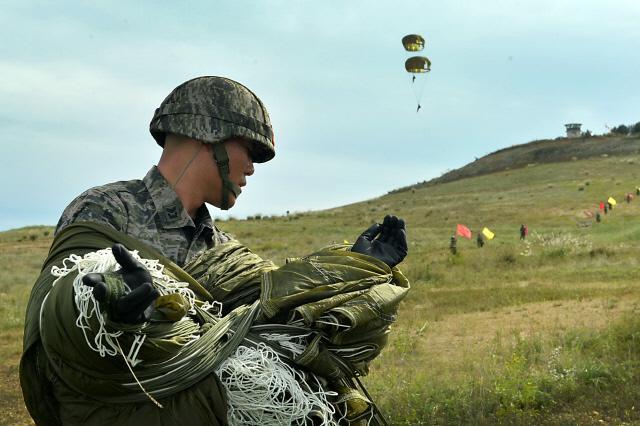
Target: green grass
547 151
21 254
556 379
540 332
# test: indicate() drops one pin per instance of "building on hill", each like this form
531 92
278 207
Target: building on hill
573 130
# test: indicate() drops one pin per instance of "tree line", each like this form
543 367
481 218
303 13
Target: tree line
623 129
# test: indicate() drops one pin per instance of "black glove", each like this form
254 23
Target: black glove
122 305
390 246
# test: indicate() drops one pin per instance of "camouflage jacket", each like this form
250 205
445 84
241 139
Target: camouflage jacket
150 211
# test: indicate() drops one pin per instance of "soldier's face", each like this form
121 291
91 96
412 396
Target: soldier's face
240 166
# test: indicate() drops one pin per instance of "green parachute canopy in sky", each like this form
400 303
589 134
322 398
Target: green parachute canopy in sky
417 64
413 42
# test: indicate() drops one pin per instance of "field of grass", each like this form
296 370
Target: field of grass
544 331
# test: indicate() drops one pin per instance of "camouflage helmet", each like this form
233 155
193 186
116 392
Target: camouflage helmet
212 110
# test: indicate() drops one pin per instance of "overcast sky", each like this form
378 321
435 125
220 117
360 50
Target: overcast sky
79 82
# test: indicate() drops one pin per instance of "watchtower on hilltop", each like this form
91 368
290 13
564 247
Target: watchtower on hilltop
573 130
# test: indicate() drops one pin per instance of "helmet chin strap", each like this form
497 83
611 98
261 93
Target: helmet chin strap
222 160
186 166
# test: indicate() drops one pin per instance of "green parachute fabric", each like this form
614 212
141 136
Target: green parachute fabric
413 42
343 301
417 64
93 389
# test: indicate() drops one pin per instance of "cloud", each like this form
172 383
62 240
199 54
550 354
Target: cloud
69 95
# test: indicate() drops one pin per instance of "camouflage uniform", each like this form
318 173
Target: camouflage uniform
150 211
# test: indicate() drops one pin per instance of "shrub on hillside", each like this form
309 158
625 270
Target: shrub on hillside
601 251
620 130
635 129
556 244
508 258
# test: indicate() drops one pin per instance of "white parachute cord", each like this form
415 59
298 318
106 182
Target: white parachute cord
418 88
165 284
126 361
345 412
263 390
101 261
104 342
331 320
294 344
214 308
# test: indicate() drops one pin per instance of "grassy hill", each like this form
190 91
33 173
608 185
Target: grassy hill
543 331
543 152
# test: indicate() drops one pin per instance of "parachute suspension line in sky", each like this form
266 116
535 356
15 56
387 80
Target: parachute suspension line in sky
417 86
416 65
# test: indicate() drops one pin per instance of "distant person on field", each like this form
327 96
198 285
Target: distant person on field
606 208
524 231
629 197
598 217
480 240
453 245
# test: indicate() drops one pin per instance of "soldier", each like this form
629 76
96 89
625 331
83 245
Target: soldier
206 158
453 245
523 231
480 240
212 131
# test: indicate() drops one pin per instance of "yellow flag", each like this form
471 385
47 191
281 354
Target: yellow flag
487 233
346 242
612 201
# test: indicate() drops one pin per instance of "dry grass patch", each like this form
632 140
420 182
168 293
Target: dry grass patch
460 336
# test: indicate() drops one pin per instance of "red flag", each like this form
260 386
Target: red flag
601 205
463 231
